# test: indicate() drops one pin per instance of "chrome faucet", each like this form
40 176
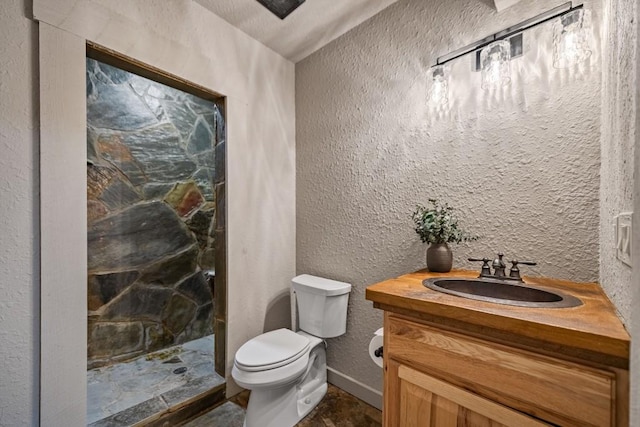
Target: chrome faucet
499 268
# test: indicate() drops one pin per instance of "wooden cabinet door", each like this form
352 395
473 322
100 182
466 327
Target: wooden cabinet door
558 391
426 401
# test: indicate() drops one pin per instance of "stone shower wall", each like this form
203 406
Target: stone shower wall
151 170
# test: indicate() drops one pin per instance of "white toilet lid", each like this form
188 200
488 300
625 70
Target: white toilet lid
271 350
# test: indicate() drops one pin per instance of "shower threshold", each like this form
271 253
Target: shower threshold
142 389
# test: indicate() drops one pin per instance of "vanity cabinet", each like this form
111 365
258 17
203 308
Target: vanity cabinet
436 377
450 362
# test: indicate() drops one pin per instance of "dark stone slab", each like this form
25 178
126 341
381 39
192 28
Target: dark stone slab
197 288
133 415
192 388
220 301
202 325
157 337
156 191
98 178
162 136
105 287
107 190
118 107
95 74
164 169
178 313
201 139
119 194
185 197
206 159
220 341
156 106
139 84
221 203
170 271
182 117
228 414
136 237
159 151
204 179
210 118
140 302
92 141
220 162
200 224
201 106
221 131
108 339
91 90
95 211
111 148
205 313
164 92
116 75
207 259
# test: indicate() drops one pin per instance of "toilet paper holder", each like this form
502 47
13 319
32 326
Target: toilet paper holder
378 352
376 349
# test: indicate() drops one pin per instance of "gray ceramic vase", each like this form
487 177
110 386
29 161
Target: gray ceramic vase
439 258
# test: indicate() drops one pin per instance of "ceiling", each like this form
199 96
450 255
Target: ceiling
503 4
311 26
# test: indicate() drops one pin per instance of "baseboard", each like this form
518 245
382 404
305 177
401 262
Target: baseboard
362 391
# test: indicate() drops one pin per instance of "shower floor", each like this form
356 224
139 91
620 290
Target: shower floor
126 393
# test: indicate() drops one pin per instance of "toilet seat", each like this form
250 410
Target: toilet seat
271 350
270 378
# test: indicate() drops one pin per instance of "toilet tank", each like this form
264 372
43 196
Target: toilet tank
322 305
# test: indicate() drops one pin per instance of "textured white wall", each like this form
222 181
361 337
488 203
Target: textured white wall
618 141
522 166
617 145
19 261
635 278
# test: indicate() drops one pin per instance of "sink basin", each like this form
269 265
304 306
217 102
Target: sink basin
502 292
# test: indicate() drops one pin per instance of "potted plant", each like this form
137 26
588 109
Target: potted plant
438 226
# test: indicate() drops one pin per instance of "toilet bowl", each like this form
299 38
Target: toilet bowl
286 371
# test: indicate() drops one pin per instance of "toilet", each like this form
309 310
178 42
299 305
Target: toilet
286 371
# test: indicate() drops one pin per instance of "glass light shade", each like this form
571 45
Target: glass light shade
495 63
571 39
439 85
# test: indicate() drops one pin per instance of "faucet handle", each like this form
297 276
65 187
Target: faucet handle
514 273
486 270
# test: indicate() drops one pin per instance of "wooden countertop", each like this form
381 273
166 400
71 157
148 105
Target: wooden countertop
592 331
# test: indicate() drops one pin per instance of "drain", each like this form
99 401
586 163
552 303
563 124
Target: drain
180 370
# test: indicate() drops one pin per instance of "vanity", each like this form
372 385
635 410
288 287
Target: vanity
455 361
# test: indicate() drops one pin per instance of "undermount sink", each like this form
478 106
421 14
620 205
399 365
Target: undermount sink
502 292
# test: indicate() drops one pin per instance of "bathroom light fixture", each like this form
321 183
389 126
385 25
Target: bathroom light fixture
514 33
570 38
495 61
439 85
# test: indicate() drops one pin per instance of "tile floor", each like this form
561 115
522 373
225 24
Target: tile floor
123 394
337 409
